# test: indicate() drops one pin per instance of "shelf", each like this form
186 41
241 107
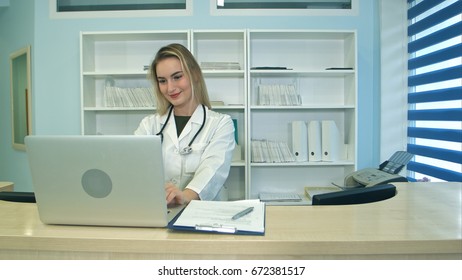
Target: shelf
302 164
119 74
217 73
302 107
240 163
228 107
137 35
115 109
301 73
224 73
290 34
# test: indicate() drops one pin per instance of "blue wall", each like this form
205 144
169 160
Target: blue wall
55 66
16 32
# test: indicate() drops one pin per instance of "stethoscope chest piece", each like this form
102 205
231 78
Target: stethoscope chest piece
186 150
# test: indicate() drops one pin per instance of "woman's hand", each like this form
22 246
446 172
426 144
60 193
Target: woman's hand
175 196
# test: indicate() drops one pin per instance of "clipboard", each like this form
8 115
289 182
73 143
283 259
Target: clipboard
217 222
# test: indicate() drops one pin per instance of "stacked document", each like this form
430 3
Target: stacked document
278 95
283 198
128 97
271 151
234 217
279 197
220 66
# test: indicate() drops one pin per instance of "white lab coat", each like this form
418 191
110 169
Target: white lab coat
206 168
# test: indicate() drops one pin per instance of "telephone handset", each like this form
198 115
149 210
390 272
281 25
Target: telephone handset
387 172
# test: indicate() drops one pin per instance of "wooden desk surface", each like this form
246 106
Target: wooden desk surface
424 220
6 186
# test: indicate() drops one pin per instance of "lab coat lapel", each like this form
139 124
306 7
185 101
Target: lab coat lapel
170 131
193 124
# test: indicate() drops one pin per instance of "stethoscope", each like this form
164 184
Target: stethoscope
186 150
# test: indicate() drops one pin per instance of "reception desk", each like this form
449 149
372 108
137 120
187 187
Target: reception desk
6 187
423 221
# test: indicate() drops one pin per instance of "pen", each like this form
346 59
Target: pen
242 213
216 228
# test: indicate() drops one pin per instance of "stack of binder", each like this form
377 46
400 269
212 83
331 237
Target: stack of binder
278 95
330 141
266 151
128 97
299 141
316 141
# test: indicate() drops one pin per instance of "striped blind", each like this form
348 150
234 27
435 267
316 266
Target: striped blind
435 89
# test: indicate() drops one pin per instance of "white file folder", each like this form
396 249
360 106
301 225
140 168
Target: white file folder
299 141
330 140
314 141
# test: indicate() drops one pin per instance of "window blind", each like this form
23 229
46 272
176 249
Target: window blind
435 89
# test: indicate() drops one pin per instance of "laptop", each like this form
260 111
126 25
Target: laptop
99 180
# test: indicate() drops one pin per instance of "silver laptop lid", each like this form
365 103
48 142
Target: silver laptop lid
98 180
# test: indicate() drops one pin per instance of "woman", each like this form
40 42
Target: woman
197 143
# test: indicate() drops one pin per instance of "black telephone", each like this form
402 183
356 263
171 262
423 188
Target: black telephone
387 172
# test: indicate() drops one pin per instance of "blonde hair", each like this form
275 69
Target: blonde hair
192 69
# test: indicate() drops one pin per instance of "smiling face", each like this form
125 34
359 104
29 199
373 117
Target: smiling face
175 86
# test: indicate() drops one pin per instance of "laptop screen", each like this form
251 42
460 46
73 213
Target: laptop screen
98 180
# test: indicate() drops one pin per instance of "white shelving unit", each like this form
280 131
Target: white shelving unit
118 59
301 59
222 56
228 58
